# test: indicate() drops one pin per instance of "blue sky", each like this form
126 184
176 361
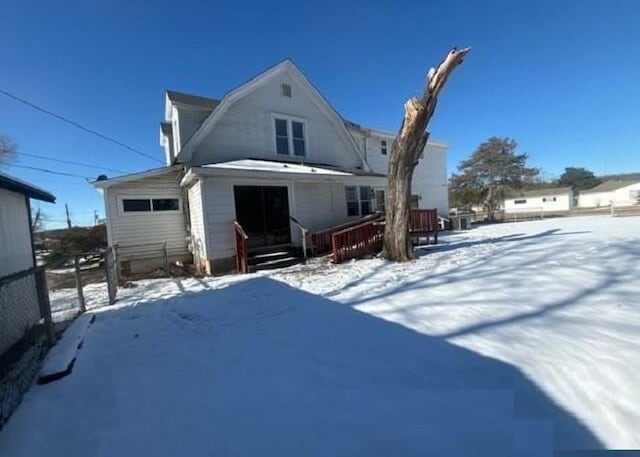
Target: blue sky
562 78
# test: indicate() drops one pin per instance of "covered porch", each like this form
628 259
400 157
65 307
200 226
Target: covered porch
269 206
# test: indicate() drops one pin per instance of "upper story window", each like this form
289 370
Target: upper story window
290 137
144 205
286 90
383 147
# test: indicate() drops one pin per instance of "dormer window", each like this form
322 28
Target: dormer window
290 137
383 147
286 90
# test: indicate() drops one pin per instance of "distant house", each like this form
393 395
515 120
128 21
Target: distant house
17 256
620 192
270 150
541 200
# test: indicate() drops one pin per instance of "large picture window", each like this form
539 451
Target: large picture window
150 205
359 200
290 137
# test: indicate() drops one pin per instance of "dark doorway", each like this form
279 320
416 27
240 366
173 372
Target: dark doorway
263 212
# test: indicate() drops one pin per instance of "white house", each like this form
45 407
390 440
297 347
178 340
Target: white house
620 192
17 259
541 200
270 149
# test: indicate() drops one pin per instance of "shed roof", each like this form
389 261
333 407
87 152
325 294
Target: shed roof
194 100
22 187
542 192
611 185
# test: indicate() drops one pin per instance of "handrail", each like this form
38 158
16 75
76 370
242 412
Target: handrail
242 258
345 225
305 232
240 230
321 240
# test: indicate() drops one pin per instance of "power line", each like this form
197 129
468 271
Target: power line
76 124
53 172
70 162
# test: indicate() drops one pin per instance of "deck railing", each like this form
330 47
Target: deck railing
304 235
357 241
321 240
424 222
242 258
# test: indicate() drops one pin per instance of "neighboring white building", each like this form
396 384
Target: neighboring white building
620 192
17 257
271 149
541 200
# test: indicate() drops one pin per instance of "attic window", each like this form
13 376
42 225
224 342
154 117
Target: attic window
383 147
286 90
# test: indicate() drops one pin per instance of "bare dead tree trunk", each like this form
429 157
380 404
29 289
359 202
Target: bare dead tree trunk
405 154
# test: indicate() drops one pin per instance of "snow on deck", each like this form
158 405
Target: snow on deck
503 339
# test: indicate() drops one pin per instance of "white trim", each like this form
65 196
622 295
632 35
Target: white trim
135 176
288 118
125 196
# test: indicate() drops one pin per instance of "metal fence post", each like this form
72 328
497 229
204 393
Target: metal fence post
166 259
76 262
45 305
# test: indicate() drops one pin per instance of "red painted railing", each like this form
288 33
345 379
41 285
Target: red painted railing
424 222
242 261
321 240
358 241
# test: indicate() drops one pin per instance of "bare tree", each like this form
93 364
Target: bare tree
38 220
405 154
8 150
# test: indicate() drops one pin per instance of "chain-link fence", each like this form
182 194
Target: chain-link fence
26 332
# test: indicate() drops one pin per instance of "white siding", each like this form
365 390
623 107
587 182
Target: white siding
15 234
247 129
430 176
196 218
623 196
127 229
563 202
320 205
595 199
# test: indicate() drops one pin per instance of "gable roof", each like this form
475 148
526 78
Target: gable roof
541 192
22 187
241 91
193 100
609 186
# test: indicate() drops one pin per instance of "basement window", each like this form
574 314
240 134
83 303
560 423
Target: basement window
519 202
548 199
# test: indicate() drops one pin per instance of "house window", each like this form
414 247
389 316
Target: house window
414 201
286 90
519 202
290 137
130 205
282 137
383 147
359 200
548 199
380 200
144 205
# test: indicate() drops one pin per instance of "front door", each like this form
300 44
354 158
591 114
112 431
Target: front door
263 213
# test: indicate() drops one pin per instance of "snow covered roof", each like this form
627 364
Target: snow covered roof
277 167
22 187
108 182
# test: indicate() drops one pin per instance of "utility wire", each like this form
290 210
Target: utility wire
70 162
53 172
80 126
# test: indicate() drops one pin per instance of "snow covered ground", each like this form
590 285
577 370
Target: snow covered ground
513 339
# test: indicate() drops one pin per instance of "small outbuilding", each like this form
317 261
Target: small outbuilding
616 192
553 199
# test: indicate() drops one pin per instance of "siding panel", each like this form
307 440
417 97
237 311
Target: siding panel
15 233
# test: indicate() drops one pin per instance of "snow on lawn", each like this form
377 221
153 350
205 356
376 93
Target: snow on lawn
512 339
